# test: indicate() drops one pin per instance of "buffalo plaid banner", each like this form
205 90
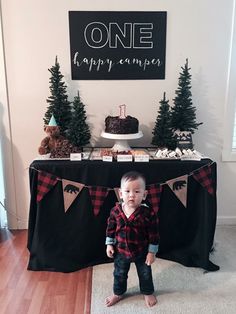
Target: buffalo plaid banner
98 195
46 181
154 195
204 177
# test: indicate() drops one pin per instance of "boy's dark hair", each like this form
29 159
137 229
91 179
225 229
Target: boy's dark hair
133 175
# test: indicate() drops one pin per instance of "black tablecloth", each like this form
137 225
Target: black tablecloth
59 241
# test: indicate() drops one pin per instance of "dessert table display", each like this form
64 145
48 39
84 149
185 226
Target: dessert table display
66 236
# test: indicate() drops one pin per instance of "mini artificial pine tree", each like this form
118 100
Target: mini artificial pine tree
78 132
162 132
59 106
183 115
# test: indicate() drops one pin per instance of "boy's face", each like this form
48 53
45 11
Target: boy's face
133 192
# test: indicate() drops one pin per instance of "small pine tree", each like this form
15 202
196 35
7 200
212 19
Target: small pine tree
183 115
59 106
78 132
162 132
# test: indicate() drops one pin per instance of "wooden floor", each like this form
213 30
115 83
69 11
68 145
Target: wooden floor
24 292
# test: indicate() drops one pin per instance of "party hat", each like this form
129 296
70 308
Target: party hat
52 121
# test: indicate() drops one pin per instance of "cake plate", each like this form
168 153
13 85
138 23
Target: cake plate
121 140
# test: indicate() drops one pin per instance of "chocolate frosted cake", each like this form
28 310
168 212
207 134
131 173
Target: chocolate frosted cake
117 125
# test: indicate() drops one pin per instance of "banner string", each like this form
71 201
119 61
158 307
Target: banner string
18 218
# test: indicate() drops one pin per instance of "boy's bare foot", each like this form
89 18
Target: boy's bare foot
112 299
150 300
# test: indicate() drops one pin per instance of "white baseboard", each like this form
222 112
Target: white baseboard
226 220
22 225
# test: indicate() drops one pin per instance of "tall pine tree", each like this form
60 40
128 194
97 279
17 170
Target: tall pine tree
59 106
162 132
78 132
183 112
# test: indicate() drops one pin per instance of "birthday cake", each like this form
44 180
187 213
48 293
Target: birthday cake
118 125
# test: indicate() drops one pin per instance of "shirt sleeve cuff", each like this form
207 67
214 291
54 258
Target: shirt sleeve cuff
152 248
110 241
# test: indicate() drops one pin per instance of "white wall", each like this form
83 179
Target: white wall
7 193
36 31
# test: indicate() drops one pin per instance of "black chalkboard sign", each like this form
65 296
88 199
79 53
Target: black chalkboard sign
117 45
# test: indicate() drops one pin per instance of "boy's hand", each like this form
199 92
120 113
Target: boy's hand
110 251
150 258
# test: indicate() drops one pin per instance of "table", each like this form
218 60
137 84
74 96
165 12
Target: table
66 242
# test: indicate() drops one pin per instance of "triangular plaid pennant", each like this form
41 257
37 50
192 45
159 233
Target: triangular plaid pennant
203 175
45 182
179 187
71 190
154 195
98 195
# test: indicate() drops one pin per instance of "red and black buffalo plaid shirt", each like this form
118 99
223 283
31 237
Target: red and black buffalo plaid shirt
132 236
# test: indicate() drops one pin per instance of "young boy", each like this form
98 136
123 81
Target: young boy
132 236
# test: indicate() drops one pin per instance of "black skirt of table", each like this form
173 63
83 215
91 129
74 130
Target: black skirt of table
66 242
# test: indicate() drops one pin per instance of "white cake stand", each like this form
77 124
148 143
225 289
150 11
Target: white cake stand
121 140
